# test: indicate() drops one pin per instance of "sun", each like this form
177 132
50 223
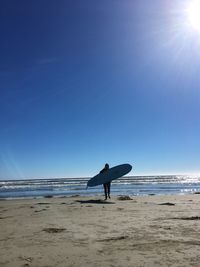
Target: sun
193 12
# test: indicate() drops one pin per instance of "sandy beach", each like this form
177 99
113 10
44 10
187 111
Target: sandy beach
86 231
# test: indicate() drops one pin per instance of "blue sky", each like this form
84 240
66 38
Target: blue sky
83 83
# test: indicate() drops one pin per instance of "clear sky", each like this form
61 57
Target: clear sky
87 82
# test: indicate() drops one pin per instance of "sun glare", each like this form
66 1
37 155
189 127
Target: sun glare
194 14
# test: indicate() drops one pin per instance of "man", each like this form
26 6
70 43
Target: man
106 185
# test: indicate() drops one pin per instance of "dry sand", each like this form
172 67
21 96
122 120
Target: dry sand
85 231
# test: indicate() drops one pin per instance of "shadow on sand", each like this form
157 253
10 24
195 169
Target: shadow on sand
94 201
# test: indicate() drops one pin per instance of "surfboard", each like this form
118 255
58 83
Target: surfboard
109 175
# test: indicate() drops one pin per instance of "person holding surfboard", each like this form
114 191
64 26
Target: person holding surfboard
107 175
106 185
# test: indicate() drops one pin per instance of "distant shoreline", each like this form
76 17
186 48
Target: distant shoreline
127 185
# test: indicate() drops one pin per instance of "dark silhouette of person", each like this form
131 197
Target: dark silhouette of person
106 185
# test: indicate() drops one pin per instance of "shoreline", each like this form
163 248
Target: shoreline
87 231
95 195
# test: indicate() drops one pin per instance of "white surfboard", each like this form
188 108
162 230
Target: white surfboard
109 175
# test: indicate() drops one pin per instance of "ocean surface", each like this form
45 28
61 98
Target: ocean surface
132 185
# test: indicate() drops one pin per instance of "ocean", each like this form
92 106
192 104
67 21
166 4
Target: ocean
131 185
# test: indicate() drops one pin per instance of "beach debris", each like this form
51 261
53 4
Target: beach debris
43 203
124 198
120 208
28 259
39 210
167 204
5 217
48 196
167 228
189 218
53 230
114 238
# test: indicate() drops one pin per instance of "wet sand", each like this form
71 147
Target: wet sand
86 231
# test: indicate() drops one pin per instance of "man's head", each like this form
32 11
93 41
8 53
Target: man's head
106 166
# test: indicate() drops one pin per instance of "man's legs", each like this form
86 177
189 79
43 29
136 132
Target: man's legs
108 187
105 190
